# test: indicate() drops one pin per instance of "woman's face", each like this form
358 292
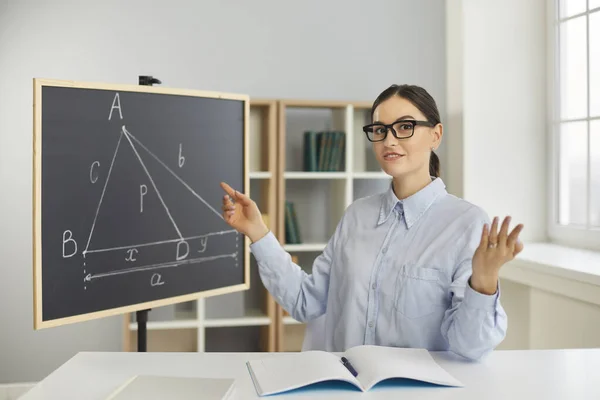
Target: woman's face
400 157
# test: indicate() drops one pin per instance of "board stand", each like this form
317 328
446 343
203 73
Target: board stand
141 316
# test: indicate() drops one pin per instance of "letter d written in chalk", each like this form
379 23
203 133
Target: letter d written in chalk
183 249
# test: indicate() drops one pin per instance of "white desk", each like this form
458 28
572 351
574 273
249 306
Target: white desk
533 374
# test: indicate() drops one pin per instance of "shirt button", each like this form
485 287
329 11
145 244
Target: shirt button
371 324
374 286
384 250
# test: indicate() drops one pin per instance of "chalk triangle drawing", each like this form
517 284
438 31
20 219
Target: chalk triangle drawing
203 218
130 203
143 212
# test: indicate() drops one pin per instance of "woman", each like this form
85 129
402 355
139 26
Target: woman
411 267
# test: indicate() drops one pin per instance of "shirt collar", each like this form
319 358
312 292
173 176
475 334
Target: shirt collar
413 206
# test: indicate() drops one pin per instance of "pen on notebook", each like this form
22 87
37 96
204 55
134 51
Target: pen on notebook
349 366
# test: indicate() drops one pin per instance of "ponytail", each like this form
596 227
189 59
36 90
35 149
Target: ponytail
434 165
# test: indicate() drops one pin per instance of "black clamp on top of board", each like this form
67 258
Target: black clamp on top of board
148 80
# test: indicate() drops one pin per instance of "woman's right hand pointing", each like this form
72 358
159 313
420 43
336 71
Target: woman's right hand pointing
243 214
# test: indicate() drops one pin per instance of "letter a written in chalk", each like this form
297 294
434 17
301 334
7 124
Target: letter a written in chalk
116 104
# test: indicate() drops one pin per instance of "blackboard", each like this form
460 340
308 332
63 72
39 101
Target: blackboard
127 203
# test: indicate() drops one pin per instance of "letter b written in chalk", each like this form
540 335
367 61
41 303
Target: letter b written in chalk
68 244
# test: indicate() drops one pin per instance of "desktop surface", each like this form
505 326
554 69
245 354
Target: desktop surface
509 374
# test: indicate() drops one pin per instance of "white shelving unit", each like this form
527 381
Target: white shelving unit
320 198
241 321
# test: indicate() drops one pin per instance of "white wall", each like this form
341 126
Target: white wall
496 101
496 104
453 130
550 304
342 49
560 322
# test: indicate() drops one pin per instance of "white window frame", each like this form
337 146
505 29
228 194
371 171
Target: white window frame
585 237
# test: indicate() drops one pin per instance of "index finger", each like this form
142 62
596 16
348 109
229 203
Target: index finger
234 194
228 189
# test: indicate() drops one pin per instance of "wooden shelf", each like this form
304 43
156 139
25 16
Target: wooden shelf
164 325
305 247
252 318
314 175
304 103
260 175
370 175
289 320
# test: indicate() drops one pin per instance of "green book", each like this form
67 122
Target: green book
322 149
289 239
335 151
295 227
313 151
310 151
306 151
328 150
339 165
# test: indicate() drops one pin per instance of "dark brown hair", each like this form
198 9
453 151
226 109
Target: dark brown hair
424 102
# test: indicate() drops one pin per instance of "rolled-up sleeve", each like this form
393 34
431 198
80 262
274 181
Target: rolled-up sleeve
476 323
302 295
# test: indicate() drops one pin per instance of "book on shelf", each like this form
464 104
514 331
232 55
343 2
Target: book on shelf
362 366
292 231
324 151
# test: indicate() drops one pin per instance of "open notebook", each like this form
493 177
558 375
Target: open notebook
371 364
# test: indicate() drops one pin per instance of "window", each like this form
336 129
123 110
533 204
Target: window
575 119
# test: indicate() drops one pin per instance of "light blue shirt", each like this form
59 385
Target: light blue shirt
394 273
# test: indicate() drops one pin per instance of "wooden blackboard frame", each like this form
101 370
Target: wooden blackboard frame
38 85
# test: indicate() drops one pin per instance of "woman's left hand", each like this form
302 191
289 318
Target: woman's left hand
495 249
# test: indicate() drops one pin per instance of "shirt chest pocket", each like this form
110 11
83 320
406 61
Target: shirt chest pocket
419 291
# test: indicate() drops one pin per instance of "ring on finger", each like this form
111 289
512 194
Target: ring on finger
491 245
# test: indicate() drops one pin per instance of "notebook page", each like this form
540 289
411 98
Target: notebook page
376 363
278 374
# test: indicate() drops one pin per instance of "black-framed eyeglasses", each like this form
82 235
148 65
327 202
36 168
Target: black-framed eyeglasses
402 129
